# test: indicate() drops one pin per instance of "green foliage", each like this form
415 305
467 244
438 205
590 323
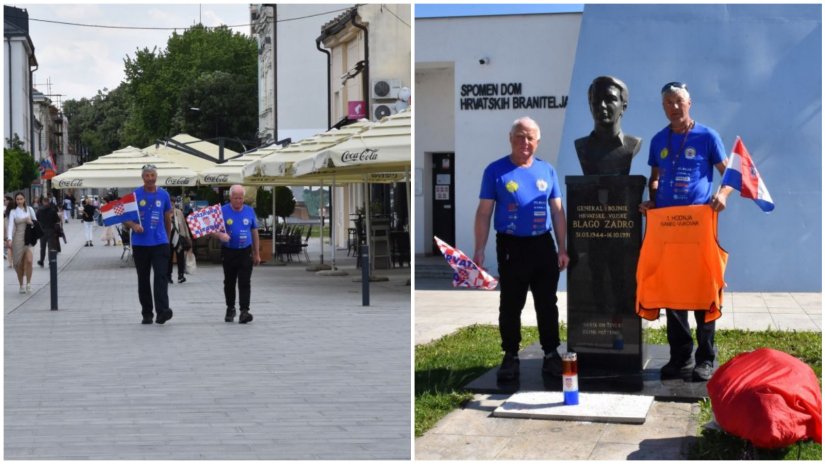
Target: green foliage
212 69
97 123
263 202
312 200
19 167
284 202
444 366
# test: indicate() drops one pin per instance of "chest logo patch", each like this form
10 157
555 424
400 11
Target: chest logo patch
663 153
246 222
229 222
511 186
142 202
541 184
690 153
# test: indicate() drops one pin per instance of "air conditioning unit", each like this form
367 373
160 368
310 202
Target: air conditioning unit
381 110
386 89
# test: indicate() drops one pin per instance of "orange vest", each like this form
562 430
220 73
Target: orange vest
681 265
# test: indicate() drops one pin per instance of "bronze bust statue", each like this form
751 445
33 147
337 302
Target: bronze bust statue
607 151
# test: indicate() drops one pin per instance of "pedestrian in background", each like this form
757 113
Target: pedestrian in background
67 208
49 222
19 217
8 205
150 246
88 221
238 253
108 235
181 243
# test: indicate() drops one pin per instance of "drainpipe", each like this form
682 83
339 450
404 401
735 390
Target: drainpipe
31 108
329 80
11 87
274 70
366 72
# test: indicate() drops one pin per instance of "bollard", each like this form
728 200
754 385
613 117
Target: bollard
365 275
53 277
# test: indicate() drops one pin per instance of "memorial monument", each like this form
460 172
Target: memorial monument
604 238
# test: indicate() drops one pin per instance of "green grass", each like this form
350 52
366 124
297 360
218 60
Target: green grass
444 366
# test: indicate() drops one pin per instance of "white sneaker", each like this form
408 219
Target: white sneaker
28 288
22 289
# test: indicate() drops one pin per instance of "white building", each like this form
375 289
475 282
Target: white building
19 63
473 77
316 72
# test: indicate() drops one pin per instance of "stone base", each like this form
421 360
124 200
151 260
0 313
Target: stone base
318 267
332 273
592 407
653 358
373 278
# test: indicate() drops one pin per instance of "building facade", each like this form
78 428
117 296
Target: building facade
19 63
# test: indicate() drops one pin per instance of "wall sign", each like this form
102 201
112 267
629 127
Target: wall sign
504 96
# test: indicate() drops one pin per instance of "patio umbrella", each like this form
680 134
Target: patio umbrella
122 169
191 152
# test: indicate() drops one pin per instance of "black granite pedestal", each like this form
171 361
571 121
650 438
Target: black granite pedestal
604 237
531 378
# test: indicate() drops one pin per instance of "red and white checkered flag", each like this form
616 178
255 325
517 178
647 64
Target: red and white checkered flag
467 273
206 221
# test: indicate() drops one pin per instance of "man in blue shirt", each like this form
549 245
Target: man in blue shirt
239 252
682 158
150 245
524 193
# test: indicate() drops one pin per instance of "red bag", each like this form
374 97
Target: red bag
767 397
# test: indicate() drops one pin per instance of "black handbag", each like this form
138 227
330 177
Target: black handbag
33 233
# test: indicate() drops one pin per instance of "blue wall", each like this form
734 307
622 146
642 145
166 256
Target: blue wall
754 71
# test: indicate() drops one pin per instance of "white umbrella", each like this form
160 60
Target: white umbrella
191 152
122 169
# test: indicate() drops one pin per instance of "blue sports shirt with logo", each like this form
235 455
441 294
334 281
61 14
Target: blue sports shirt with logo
239 225
686 163
152 207
521 195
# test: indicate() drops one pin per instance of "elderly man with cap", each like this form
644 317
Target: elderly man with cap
682 158
150 245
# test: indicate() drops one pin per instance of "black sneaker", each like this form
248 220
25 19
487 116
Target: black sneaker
552 364
162 318
245 317
230 314
40 263
703 371
146 320
181 279
87 244
677 369
169 279
509 369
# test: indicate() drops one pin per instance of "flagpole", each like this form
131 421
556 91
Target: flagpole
728 163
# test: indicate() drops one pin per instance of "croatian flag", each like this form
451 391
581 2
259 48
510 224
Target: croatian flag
206 221
117 211
741 174
467 273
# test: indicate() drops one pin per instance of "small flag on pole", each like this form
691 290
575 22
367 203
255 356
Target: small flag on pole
741 174
121 210
467 273
206 221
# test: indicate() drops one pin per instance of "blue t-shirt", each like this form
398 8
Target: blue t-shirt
152 207
521 195
686 164
239 225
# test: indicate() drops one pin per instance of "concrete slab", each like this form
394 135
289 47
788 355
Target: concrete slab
592 407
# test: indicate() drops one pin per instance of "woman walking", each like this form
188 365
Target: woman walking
88 221
21 216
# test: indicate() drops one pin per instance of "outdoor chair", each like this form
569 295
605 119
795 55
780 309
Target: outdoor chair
305 244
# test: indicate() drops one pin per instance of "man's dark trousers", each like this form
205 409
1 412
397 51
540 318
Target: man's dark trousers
680 340
528 263
149 259
237 267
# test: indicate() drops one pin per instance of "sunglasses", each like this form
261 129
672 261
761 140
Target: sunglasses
149 166
674 86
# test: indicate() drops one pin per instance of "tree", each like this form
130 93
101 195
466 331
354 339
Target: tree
97 123
214 70
19 167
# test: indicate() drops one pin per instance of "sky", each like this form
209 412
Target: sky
79 61
445 10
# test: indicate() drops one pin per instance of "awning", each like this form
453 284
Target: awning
191 152
122 169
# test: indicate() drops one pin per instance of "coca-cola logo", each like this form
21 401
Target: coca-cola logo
70 183
177 181
368 154
216 178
